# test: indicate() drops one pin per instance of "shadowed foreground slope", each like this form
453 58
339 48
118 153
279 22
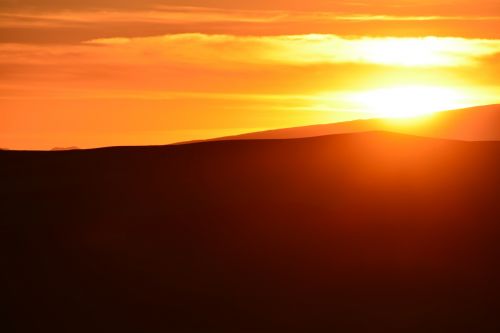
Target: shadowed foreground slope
371 232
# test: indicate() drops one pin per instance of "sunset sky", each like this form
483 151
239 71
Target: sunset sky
117 72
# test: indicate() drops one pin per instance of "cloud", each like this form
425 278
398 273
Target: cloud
231 67
164 15
419 7
75 24
223 50
227 51
185 15
201 62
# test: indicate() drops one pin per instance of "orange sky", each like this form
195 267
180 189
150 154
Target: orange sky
98 73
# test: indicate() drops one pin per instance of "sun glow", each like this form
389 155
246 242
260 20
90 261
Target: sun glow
408 101
429 51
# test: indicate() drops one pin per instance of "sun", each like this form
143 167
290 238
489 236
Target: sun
408 101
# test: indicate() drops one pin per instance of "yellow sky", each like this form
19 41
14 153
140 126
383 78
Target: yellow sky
99 73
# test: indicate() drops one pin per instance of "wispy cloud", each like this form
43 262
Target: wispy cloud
203 62
230 51
189 15
175 15
73 24
304 49
265 67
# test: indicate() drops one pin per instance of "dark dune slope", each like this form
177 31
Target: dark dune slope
371 232
481 123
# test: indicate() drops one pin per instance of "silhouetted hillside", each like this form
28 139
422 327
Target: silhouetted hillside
480 123
371 232
64 148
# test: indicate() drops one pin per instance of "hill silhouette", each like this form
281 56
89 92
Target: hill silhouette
64 148
481 123
367 232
